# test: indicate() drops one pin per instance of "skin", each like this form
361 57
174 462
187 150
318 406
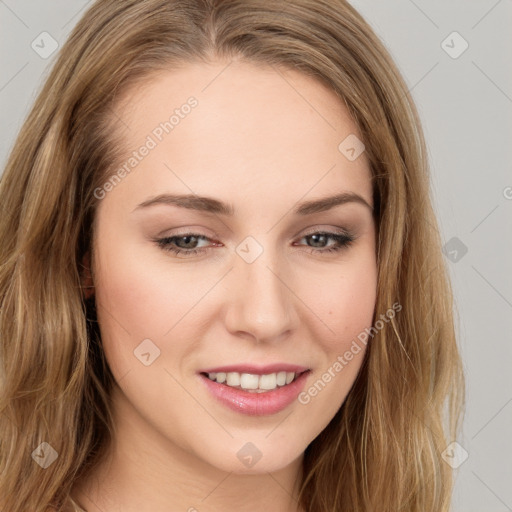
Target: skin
261 139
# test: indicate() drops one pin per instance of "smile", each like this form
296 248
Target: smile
253 394
253 382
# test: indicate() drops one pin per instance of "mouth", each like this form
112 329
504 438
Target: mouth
255 394
254 382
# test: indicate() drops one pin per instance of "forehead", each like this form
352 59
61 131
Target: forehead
254 126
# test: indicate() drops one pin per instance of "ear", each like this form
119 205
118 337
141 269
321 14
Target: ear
86 274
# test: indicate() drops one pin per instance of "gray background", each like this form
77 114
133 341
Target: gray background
466 106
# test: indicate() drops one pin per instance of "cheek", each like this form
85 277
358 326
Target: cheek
348 303
347 307
139 297
144 296
134 302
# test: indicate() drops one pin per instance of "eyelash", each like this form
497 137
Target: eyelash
343 240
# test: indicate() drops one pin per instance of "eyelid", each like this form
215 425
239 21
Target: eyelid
335 230
188 230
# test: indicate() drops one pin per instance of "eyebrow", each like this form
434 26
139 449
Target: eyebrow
214 206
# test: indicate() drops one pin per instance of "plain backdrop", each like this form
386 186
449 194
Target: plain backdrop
456 59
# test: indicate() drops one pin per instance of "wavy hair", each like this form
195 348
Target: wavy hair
382 451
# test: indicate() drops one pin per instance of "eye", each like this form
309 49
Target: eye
189 239
187 244
342 240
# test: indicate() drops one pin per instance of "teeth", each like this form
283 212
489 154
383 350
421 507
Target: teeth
268 381
256 383
233 379
281 378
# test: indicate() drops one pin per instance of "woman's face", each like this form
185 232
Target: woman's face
264 294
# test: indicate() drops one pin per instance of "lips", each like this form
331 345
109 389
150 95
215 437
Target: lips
255 402
257 370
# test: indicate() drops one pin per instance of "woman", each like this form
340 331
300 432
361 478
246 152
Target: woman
222 284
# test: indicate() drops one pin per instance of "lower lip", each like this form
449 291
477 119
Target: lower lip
256 404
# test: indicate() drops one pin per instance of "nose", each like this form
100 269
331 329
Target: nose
262 302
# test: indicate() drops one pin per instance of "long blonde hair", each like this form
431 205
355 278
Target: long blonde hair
382 450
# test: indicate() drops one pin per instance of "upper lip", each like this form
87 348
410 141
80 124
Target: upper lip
257 370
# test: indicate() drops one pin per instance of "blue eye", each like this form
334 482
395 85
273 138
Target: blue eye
172 244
